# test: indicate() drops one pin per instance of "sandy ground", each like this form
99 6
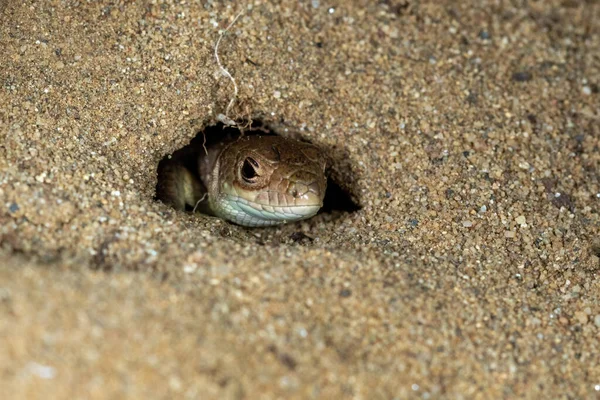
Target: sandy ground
468 132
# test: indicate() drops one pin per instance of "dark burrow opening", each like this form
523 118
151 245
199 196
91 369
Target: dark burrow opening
596 247
340 195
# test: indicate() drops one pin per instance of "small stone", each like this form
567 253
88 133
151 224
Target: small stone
300 236
510 234
277 94
586 90
483 209
521 220
467 223
13 208
581 317
41 371
189 268
521 77
484 35
597 320
345 293
175 383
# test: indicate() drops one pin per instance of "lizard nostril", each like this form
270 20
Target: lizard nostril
298 190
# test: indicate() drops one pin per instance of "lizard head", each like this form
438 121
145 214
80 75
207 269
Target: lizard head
269 180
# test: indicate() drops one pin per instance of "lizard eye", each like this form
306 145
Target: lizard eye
248 170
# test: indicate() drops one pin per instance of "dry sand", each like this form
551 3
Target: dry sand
468 132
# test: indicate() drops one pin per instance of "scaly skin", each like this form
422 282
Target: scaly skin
252 181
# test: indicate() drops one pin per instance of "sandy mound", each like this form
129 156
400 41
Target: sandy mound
467 131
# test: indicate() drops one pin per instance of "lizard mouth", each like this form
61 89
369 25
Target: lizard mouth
252 209
249 213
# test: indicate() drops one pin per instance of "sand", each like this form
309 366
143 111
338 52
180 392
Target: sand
468 132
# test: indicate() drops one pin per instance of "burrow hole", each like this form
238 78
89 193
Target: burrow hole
340 196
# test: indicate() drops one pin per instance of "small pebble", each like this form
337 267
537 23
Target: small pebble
189 268
597 320
467 224
484 35
581 317
521 77
521 220
41 371
587 90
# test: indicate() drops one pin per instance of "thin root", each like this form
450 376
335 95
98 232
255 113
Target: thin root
199 201
204 143
225 118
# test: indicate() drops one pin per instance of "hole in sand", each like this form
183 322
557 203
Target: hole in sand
339 197
596 248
